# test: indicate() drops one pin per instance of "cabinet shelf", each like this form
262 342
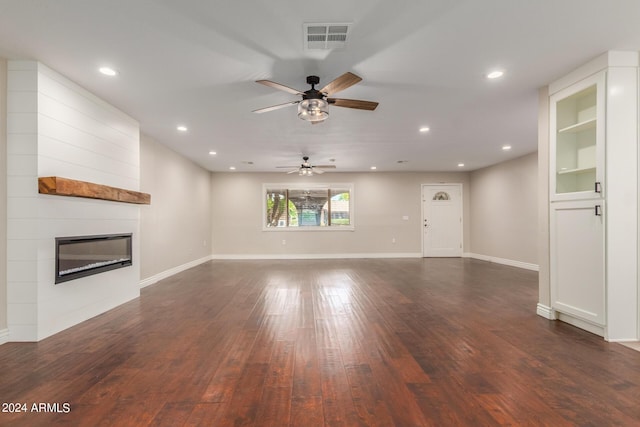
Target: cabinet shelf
577 171
579 127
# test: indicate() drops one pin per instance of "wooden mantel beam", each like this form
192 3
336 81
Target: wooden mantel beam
58 186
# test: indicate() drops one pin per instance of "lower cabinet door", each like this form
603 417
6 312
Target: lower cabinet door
577 259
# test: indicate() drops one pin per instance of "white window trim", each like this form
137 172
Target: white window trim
306 186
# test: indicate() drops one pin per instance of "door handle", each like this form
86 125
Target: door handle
598 210
598 187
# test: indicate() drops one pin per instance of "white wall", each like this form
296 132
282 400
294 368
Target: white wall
57 128
381 200
4 332
504 212
544 286
175 229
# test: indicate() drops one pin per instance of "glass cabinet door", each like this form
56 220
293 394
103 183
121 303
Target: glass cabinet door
576 142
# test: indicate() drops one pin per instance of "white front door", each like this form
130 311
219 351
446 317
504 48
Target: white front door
442 220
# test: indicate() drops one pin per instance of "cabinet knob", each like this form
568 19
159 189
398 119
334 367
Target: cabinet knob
598 210
598 187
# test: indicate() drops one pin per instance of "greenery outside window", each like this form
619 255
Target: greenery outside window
308 207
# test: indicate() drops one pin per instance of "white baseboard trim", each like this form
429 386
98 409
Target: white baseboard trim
579 323
504 261
625 341
175 270
316 256
4 336
546 312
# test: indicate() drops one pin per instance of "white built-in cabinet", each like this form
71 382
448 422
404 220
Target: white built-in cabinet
593 196
577 121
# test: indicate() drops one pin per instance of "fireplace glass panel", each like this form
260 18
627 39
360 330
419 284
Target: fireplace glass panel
86 255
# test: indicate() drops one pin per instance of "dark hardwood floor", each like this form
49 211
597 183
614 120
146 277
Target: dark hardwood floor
404 342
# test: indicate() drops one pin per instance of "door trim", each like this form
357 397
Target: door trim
460 186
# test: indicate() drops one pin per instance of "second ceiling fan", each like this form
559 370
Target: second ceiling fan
314 105
306 168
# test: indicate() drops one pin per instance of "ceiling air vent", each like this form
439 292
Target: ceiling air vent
325 36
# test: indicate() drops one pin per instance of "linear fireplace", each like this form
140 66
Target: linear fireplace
82 256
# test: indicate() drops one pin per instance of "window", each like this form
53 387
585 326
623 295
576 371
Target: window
303 207
441 195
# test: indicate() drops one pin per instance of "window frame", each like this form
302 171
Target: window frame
309 186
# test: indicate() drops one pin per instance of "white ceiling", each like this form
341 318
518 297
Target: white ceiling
195 62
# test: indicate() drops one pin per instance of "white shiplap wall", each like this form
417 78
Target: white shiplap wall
55 127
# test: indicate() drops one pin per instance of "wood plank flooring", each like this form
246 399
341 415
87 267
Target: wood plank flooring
403 342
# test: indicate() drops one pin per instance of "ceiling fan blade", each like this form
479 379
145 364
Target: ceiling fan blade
341 83
274 107
279 86
353 103
325 166
318 171
292 171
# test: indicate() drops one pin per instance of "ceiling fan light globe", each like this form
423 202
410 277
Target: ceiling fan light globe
305 171
313 110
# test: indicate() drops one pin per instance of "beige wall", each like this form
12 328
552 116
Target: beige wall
3 195
175 228
504 210
381 200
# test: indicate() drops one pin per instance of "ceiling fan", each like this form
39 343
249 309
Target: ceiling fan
314 105
306 168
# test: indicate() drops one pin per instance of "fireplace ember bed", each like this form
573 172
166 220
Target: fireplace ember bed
82 256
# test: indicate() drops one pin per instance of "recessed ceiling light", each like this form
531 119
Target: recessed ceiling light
373 168
108 71
212 153
506 147
460 165
232 168
495 74
424 129
181 128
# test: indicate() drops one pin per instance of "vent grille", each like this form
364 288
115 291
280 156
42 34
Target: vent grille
325 36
